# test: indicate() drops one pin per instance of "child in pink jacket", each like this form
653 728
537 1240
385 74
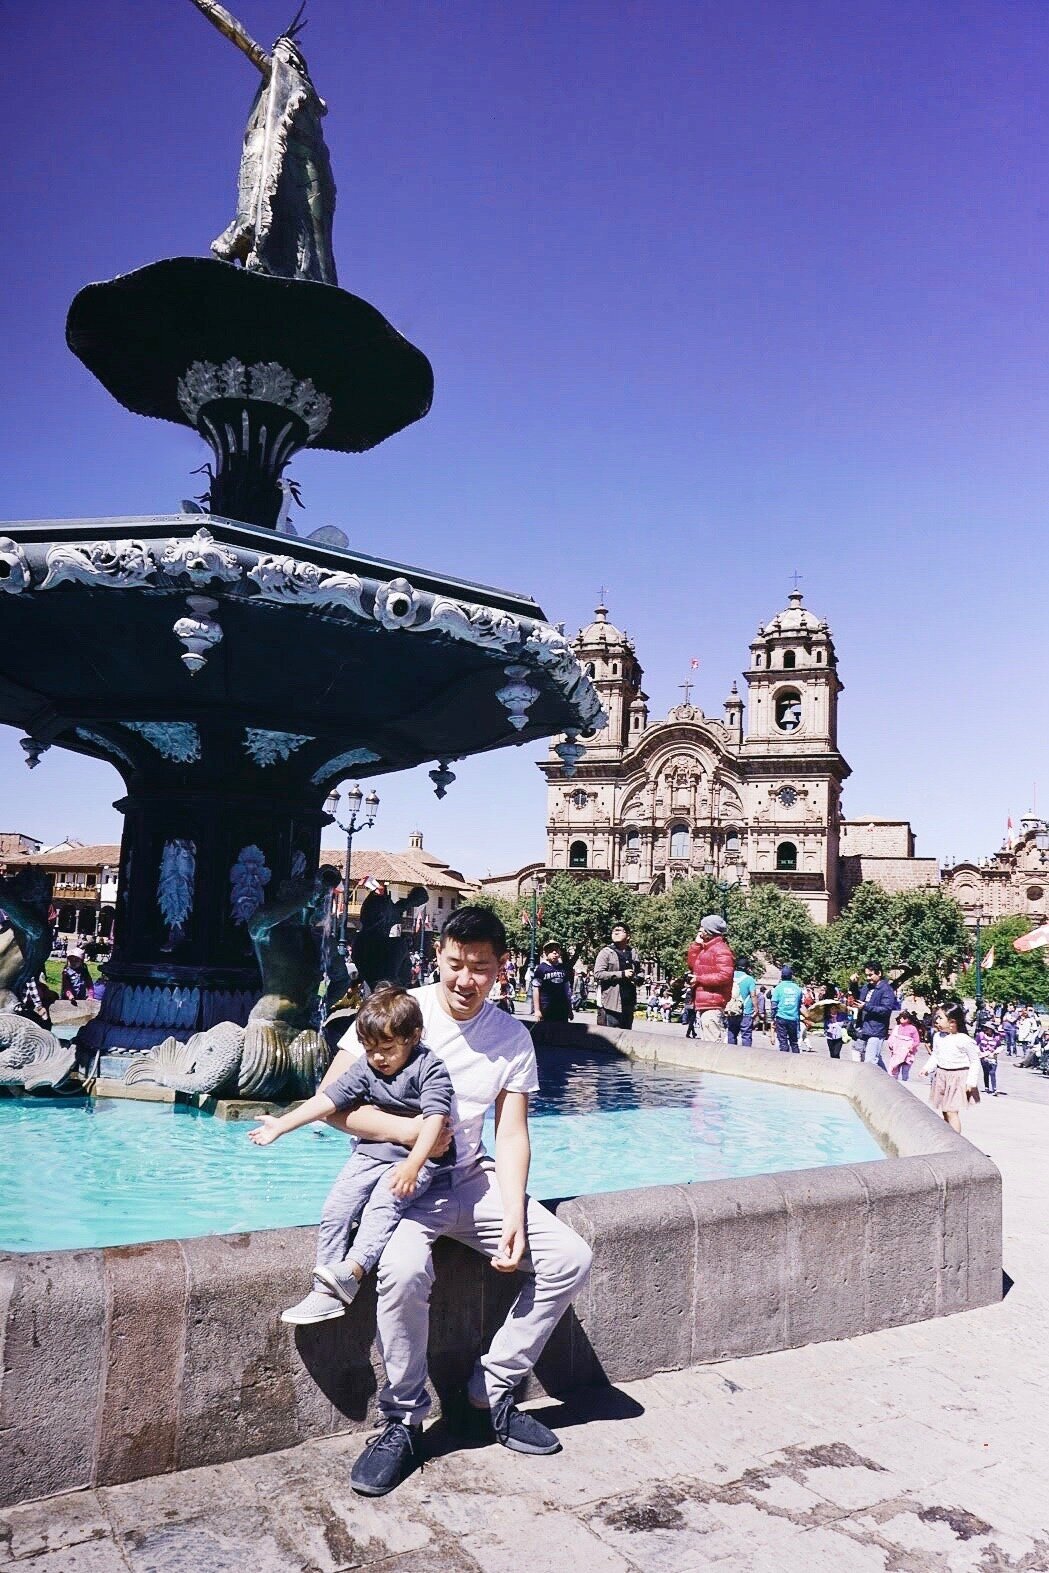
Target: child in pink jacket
903 1044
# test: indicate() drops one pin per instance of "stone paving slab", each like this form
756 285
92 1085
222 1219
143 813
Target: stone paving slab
917 1449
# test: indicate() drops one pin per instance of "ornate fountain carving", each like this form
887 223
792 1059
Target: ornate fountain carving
279 1053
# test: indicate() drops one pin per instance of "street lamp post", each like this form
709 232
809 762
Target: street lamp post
355 801
535 921
723 886
979 964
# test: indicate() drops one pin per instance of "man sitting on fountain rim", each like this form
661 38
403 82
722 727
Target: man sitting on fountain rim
490 1059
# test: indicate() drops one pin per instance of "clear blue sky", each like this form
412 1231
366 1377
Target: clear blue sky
712 293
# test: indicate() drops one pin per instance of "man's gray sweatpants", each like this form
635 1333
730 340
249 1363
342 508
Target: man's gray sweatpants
362 1190
465 1205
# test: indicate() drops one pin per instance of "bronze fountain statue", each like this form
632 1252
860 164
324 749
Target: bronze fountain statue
308 661
286 191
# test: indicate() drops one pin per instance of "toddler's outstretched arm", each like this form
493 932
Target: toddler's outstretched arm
272 1127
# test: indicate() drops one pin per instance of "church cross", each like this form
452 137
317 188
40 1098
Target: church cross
795 578
687 686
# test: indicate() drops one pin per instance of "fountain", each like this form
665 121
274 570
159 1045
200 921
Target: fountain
237 673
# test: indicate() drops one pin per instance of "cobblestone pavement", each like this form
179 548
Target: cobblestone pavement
920 1449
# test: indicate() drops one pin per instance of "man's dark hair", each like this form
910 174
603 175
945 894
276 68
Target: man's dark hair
619 924
874 966
474 926
389 1012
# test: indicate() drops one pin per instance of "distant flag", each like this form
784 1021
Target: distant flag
1033 941
693 665
1009 833
988 960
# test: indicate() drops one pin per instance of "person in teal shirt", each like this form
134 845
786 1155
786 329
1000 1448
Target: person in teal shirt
786 1011
739 1012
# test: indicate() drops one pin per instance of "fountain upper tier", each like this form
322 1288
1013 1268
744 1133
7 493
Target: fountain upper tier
189 625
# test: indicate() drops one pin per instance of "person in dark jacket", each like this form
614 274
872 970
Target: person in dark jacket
877 1003
616 973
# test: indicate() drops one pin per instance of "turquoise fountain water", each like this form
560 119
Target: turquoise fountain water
112 1172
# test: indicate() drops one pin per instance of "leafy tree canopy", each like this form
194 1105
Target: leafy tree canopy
918 936
1023 978
579 913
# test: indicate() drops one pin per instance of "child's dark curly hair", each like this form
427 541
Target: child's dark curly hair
389 1012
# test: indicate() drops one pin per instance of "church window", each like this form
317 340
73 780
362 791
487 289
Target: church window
732 845
819 657
786 857
679 841
757 660
636 722
577 855
789 659
1035 892
591 670
788 710
632 846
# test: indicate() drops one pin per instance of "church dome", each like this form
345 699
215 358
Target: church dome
601 631
794 619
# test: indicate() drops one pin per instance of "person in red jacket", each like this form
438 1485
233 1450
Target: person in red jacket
712 964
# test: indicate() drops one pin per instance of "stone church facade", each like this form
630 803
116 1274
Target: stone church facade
752 796
1014 881
754 801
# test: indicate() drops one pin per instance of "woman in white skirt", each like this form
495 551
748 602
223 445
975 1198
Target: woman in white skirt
954 1065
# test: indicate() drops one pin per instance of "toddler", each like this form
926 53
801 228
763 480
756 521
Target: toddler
399 1075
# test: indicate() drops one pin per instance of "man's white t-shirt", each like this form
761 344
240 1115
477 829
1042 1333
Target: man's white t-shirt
490 1054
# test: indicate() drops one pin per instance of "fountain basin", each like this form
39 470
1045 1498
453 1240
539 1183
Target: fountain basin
169 1354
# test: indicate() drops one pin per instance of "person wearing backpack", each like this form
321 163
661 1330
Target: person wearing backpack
740 1010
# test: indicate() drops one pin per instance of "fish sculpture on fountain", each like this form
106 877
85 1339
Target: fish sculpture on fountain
279 1053
30 1055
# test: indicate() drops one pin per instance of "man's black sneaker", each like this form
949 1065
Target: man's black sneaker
519 1431
388 1459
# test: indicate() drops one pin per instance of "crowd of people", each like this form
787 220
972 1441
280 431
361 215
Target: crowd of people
719 998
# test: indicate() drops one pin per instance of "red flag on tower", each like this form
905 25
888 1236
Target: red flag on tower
1032 941
694 665
1009 833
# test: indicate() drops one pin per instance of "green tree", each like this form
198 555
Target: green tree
918 936
665 924
1023 978
772 926
509 914
930 938
579 913
764 924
